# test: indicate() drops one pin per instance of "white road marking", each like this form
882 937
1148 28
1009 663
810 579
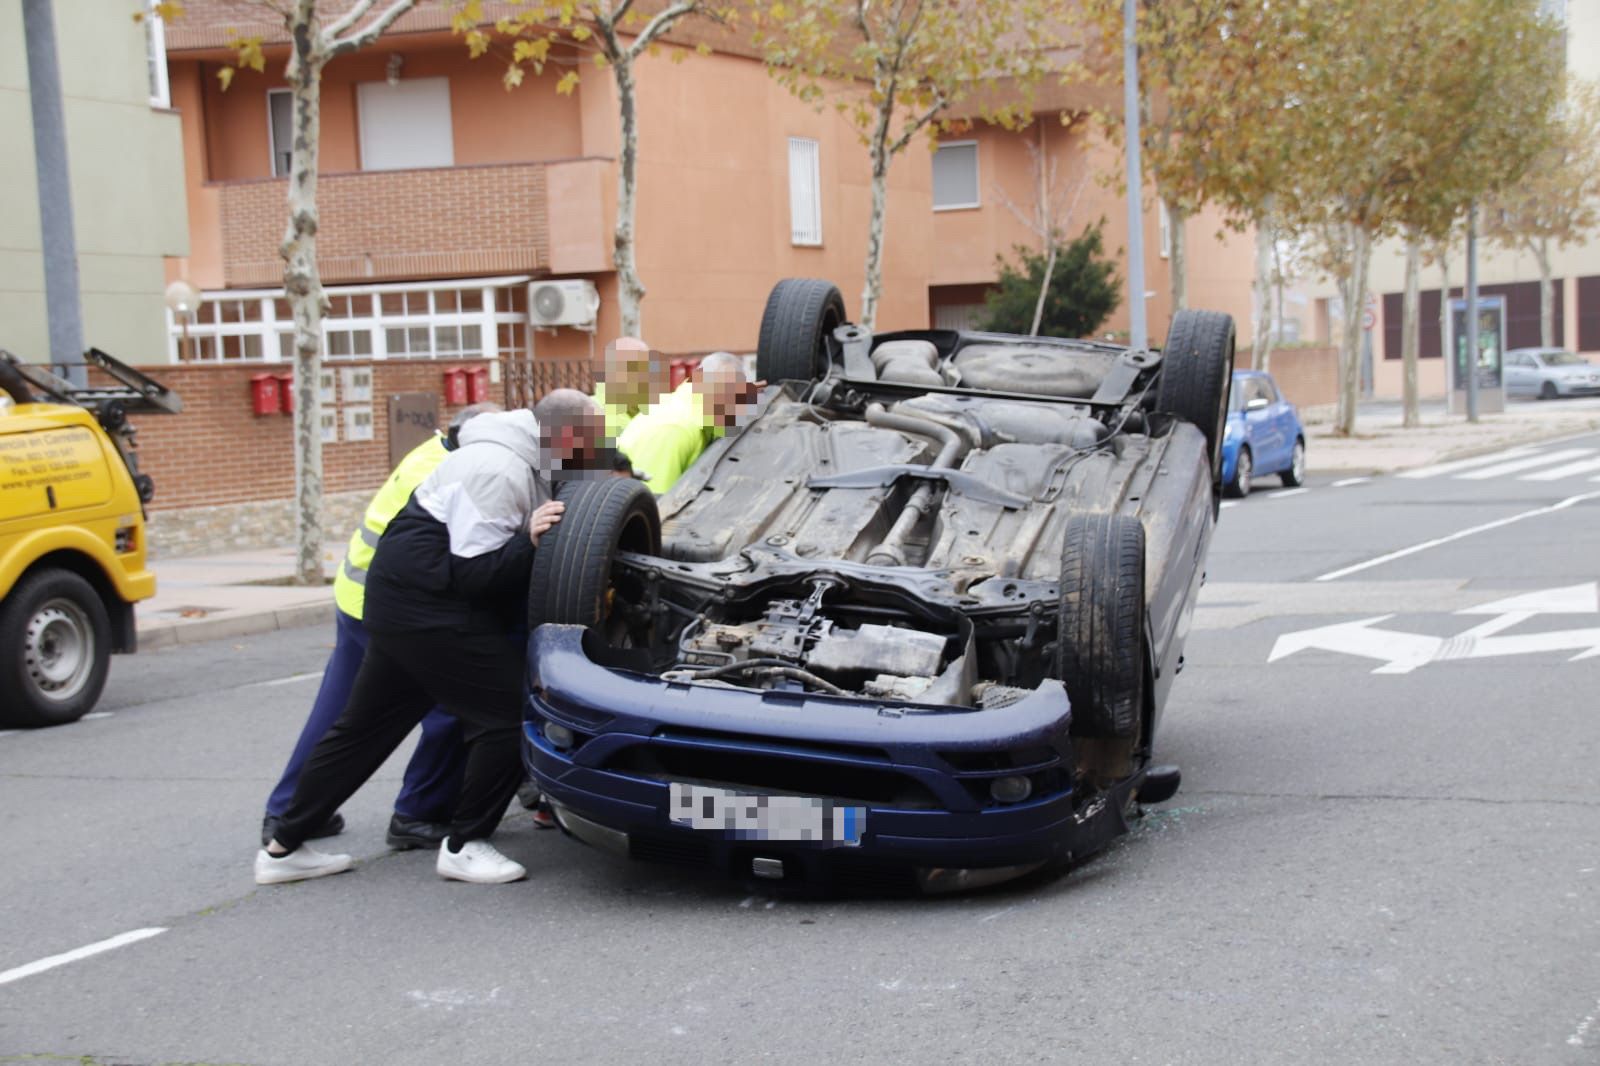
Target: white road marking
1527 463
1281 493
50 963
1578 1035
283 680
9 732
1583 598
1458 535
1350 481
92 715
1229 503
1465 464
1582 466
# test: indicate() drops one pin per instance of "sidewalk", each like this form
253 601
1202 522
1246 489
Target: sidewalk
1381 445
218 596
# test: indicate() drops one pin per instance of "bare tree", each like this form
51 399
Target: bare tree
1050 217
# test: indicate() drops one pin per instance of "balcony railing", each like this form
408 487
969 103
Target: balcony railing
431 223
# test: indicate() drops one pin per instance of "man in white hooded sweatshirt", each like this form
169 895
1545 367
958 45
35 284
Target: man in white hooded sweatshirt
447 586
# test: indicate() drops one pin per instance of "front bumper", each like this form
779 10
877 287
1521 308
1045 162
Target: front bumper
922 774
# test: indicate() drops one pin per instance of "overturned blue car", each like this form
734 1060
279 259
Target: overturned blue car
912 628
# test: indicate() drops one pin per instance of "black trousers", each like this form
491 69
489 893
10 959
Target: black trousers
478 678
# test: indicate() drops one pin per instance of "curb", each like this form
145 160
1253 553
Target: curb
167 634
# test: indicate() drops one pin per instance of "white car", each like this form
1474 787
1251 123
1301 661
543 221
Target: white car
1550 372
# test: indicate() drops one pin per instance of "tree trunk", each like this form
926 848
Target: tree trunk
1547 297
874 284
1354 285
630 289
1044 290
1411 330
302 283
1179 268
1261 329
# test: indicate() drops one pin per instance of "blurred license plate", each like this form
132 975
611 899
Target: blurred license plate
747 817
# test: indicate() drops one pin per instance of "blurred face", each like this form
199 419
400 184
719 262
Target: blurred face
576 444
728 395
635 377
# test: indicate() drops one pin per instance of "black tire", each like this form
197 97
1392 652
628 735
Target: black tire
1196 369
572 565
1296 473
1548 391
1238 486
801 314
55 649
1100 625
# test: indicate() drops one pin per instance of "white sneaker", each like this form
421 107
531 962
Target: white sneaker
302 864
479 862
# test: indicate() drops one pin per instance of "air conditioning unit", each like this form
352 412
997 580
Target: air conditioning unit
564 302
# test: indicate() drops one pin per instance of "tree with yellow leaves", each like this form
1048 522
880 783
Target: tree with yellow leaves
319 31
616 33
1557 202
897 69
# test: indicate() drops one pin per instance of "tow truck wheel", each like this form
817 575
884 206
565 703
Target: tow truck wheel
571 579
1196 370
1100 627
801 315
55 649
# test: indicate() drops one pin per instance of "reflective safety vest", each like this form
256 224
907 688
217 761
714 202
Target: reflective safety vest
349 585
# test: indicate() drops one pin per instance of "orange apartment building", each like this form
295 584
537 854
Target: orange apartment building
443 196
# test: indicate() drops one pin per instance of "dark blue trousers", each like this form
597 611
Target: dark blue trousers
432 778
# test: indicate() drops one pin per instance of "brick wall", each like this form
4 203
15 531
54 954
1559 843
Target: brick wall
458 221
217 452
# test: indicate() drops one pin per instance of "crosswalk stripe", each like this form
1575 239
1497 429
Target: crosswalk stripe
1464 464
1523 464
1582 466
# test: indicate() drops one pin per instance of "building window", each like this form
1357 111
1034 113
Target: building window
955 175
465 319
805 192
280 130
155 53
1165 229
405 125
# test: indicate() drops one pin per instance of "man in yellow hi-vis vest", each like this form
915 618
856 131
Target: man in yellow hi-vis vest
664 441
433 776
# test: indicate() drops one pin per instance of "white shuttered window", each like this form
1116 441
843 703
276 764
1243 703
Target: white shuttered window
955 175
805 192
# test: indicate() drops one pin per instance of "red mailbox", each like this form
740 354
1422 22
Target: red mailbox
455 387
264 394
478 384
286 393
678 371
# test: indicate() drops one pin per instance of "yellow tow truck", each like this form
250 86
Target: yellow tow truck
72 534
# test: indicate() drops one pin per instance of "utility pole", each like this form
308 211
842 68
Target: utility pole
63 305
1472 313
1139 336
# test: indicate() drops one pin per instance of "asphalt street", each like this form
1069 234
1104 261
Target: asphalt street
1386 850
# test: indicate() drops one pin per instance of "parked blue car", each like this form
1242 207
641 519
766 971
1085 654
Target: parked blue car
1264 435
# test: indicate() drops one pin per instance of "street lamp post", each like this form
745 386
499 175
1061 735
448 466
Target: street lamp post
182 298
1472 313
1138 334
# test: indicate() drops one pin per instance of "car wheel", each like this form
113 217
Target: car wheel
1548 391
801 315
570 582
1196 368
1100 624
1243 472
1296 473
55 649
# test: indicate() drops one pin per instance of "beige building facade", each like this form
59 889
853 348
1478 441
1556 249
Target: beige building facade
125 160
